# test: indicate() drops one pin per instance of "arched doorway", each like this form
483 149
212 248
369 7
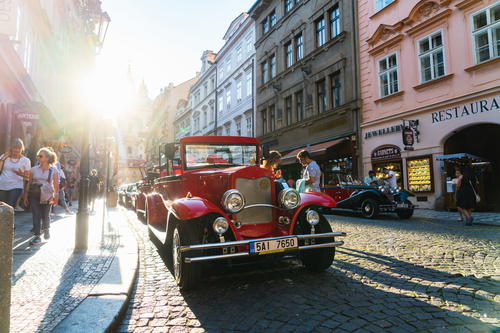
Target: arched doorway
481 140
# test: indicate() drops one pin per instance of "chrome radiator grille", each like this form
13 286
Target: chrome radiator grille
255 191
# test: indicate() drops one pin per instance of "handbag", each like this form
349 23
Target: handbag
35 191
478 198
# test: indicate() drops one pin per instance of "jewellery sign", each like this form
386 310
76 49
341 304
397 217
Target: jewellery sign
8 17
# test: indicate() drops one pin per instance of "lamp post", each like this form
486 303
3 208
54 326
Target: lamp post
82 217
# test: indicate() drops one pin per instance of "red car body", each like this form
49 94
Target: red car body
188 198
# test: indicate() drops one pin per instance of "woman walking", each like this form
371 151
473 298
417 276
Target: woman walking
466 195
14 169
42 191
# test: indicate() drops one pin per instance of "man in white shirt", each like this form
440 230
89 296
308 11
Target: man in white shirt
391 178
311 173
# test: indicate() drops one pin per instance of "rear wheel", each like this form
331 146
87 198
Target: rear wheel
369 209
186 275
317 260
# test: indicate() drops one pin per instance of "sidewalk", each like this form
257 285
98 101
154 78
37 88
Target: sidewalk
480 218
54 288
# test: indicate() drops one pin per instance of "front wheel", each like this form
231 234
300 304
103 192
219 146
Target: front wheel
369 209
405 213
186 275
318 260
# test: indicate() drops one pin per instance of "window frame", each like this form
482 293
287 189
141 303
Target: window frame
299 48
289 54
489 28
320 34
335 21
430 53
273 66
264 67
300 112
322 82
396 53
273 18
249 84
239 91
385 3
334 88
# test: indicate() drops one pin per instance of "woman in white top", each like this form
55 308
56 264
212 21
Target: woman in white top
14 169
42 191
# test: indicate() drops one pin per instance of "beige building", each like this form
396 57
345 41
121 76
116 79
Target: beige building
306 89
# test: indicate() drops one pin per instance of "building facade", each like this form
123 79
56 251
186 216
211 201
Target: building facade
306 82
202 97
431 87
235 79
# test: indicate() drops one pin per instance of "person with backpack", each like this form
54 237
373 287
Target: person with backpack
41 192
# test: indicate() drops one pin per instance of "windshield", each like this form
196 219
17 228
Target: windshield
209 155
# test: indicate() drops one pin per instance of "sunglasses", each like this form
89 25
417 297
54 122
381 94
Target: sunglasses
40 156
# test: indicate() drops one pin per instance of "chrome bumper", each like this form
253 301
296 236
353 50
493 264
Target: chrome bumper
247 242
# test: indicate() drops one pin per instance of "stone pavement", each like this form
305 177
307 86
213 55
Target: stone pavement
50 281
480 218
417 275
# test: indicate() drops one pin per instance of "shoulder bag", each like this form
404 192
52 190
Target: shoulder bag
478 198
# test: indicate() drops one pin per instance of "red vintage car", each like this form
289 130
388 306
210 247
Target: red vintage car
217 203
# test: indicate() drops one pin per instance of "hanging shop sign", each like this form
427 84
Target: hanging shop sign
388 152
408 138
8 17
27 116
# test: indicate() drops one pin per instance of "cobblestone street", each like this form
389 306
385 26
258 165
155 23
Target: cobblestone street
391 275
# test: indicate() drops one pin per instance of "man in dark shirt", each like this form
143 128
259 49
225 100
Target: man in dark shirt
94 185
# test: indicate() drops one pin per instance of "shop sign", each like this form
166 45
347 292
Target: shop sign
383 131
66 150
8 17
388 152
27 116
465 110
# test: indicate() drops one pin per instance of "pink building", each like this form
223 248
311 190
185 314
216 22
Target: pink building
431 69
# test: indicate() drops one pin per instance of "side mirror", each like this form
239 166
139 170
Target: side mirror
265 152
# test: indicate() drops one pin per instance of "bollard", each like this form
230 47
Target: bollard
6 237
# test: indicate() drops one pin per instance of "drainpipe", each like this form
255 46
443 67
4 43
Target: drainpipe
216 101
253 97
357 112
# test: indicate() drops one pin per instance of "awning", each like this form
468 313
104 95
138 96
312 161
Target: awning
317 149
460 157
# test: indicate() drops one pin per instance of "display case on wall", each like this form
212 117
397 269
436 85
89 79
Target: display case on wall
420 174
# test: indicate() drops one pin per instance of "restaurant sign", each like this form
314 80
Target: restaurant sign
467 110
388 152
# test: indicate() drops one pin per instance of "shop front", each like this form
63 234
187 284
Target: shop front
413 145
335 157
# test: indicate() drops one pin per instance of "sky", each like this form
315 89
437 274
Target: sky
163 40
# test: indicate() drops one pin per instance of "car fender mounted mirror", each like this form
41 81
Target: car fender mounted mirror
265 152
170 151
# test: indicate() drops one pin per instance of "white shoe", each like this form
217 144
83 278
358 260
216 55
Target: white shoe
19 209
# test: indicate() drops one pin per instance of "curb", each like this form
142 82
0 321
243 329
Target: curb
103 307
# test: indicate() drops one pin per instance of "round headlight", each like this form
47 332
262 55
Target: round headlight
220 225
289 198
233 201
312 217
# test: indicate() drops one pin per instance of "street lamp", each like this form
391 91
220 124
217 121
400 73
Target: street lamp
82 217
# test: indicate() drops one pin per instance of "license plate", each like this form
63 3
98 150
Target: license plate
402 205
274 245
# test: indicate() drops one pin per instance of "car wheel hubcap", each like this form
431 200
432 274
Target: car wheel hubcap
368 208
176 254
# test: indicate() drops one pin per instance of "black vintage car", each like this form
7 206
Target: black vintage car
352 195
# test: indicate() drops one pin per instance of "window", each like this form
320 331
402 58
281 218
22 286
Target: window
249 84
336 90
228 64
238 127
279 118
380 4
212 83
431 57
212 111
265 26
273 66
335 21
272 18
205 89
264 121
228 98
289 54
320 32
288 5
197 124
299 47
288 110
221 72
321 94
249 44
205 119
299 105
238 53
238 90
486 33
249 125
272 118
228 130
388 75
265 71
221 103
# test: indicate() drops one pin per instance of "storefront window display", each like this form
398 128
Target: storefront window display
419 173
332 168
389 157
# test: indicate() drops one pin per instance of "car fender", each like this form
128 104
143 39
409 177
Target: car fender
140 201
156 210
311 199
355 200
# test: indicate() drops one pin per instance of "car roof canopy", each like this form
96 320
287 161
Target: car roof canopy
220 139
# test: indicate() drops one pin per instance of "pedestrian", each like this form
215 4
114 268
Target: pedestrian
14 170
94 187
466 194
272 162
455 183
390 177
371 179
41 192
311 174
